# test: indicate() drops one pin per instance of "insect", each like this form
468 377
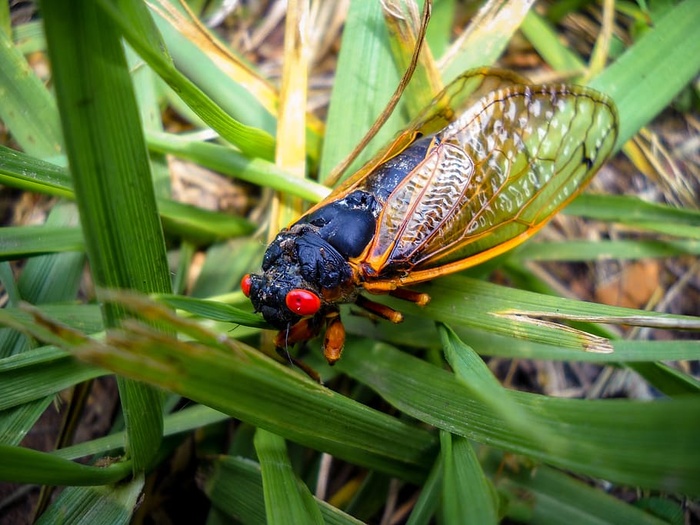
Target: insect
478 172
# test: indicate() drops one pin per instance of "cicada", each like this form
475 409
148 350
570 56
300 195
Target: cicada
478 172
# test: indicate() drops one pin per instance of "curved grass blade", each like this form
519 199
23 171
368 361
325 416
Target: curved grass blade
647 444
23 465
132 16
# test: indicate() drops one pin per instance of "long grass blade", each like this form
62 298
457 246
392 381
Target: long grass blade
111 174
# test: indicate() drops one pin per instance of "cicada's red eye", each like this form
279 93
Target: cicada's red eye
245 285
303 302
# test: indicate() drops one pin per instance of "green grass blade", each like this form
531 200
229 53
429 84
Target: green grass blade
38 284
230 162
111 175
83 317
554 497
146 89
667 379
232 97
530 316
476 376
224 267
466 493
189 419
486 37
403 24
27 108
40 372
235 487
29 173
201 226
196 224
603 250
645 79
23 465
546 41
105 505
26 241
5 21
29 37
7 279
429 499
252 141
679 222
624 351
15 423
442 20
213 310
253 388
366 74
648 444
287 500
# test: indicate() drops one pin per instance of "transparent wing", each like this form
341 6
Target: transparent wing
442 111
502 169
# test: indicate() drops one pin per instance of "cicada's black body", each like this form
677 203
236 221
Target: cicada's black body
456 188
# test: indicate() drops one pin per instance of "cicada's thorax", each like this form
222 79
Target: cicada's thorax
322 252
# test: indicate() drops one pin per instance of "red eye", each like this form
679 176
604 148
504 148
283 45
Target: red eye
303 302
245 285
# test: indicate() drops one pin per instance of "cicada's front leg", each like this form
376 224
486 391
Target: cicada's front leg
334 340
388 313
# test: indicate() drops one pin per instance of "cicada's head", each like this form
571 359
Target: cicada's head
301 276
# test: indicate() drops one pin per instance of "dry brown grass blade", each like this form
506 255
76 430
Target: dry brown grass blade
235 68
290 154
190 27
599 57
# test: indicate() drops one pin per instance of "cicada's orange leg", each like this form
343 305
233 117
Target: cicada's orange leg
421 299
381 310
334 340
